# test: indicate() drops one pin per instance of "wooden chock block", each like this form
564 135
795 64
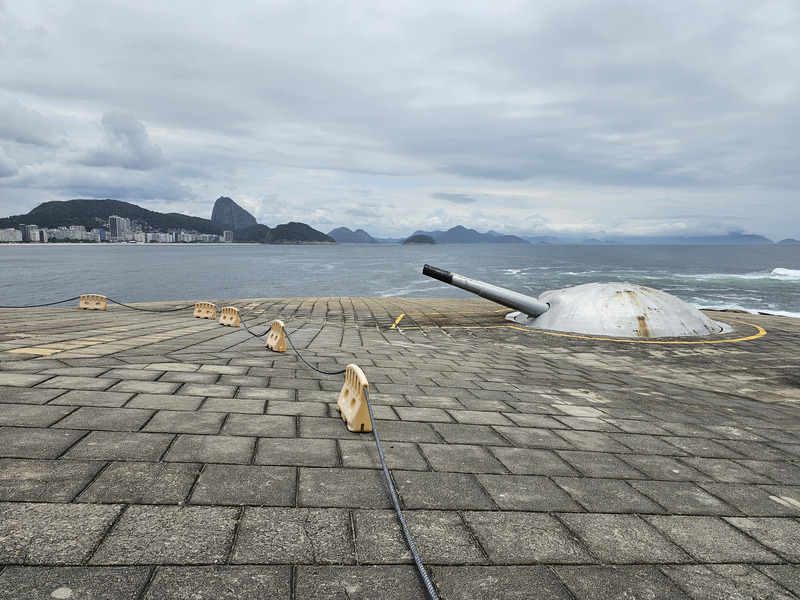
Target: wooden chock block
276 340
93 302
352 402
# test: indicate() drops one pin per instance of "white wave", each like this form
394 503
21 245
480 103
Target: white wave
781 272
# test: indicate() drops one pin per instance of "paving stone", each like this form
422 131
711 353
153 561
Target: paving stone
532 461
32 415
221 582
726 581
342 488
533 437
211 449
363 582
441 491
453 433
52 534
142 483
175 421
271 426
95 583
29 442
245 485
603 582
144 387
600 464
307 409
780 471
233 405
213 391
607 495
168 535
440 538
44 480
495 583
758 501
664 468
461 458
702 447
297 535
782 535
513 538
528 493
22 380
710 539
364 455
683 498
21 395
165 402
78 383
106 419
297 451
121 445
424 415
786 575
724 470
593 441
623 539
91 398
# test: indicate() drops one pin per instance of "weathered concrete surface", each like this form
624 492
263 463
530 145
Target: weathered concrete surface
157 456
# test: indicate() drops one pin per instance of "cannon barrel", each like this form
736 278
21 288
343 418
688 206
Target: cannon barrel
525 304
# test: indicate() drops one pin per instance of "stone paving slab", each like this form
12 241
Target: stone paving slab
147 456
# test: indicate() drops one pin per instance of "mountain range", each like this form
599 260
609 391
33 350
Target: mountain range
226 214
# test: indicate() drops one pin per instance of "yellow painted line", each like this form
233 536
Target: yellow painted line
400 318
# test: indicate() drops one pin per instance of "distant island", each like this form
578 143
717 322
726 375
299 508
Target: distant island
92 220
420 239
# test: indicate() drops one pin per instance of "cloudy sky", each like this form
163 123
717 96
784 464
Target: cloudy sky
529 116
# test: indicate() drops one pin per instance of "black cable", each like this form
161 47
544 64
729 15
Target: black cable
423 573
317 369
157 310
255 335
41 305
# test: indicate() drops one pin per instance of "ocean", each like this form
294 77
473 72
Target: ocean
754 278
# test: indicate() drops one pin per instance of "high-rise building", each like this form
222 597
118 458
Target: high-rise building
118 227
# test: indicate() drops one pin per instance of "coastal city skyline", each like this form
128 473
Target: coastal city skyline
549 118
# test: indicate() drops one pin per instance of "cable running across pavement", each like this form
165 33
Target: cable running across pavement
423 573
41 305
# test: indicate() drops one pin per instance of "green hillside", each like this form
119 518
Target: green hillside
95 213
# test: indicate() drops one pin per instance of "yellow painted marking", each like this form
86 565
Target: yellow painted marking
400 318
54 348
39 351
760 332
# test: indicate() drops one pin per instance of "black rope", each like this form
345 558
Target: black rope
317 369
423 573
41 305
255 335
157 310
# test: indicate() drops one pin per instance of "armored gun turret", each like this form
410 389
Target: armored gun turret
604 309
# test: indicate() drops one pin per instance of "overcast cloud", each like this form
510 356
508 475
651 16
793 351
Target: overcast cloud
545 117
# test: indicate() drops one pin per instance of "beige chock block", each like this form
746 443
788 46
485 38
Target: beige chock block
93 302
352 402
205 310
276 340
229 316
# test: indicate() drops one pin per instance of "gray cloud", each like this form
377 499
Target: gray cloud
454 198
563 114
125 144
